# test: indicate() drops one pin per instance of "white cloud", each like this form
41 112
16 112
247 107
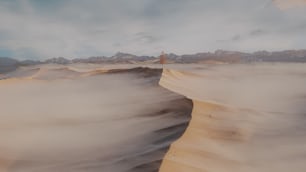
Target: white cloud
103 27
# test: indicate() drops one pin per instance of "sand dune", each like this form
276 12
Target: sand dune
57 119
42 73
245 118
55 72
104 118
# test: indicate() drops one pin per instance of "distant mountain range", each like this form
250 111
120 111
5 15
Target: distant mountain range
219 56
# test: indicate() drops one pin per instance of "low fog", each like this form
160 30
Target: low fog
246 117
107 122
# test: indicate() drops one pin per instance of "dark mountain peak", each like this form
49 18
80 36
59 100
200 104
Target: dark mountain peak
120 55
220 52
7 61
172 56
58 60
262 53
223 56
7 64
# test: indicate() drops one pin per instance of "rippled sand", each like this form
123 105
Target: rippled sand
245 118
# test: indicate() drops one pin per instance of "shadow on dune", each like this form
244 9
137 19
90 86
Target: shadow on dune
117 120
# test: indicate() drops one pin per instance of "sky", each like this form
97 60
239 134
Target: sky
40 29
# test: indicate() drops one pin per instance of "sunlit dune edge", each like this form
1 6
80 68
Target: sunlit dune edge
195 151
244 118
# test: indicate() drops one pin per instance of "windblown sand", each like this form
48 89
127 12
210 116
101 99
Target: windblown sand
73 119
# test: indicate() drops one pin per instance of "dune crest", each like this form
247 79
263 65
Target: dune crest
58 119
245 118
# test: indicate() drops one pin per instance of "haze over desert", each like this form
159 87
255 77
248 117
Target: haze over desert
121 118
152 86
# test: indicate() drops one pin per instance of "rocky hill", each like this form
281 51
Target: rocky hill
219 56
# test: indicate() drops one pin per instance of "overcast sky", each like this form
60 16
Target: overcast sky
39 29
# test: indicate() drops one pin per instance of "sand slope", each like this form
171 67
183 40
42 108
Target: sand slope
56 118
245 118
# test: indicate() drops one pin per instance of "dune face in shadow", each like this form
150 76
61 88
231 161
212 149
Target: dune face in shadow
58 119
246 118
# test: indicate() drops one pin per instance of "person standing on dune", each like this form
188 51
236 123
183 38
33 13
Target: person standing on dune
162 59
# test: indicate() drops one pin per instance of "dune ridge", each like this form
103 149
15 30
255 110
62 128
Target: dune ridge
56 72
244 118
198 149
117 120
